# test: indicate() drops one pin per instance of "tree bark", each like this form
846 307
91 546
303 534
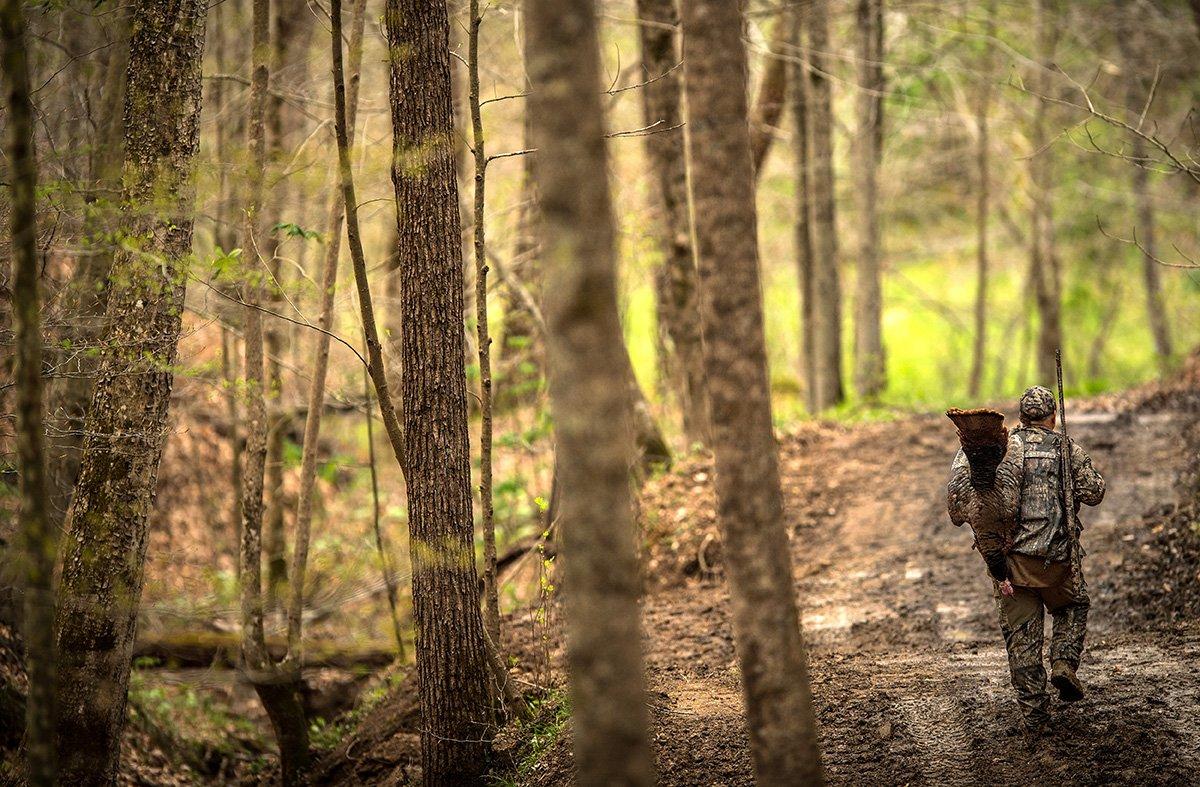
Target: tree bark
277 685
805 252
292 28
452 668
592 410
254 456
1156 308
491 596
225 239
105 548
783 736
522 354
772 93
982 205
320 361
86 292
36 539
675 280
870 367
1044 259
826 292
229 377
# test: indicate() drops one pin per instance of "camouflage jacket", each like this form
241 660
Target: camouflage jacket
1041 527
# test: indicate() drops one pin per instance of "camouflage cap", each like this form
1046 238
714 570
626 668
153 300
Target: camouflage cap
1037 403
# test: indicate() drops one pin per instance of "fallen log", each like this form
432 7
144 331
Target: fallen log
221 649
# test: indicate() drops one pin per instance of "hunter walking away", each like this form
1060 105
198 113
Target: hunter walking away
554 392
1026 517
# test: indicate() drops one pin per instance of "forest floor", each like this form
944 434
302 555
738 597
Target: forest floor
909 673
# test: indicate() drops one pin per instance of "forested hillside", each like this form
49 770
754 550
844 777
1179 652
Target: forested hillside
542 391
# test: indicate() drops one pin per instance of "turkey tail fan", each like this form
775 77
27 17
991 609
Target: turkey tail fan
984 439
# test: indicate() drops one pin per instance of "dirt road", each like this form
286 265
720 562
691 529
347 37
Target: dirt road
909 673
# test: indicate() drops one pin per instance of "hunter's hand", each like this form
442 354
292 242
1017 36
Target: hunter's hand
1006 588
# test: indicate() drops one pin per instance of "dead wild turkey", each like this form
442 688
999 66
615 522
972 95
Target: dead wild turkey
984 487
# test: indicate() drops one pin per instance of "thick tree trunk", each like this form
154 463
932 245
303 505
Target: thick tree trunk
982 205
105 548
36 539
1044 259
452 667
783 735
826 292
675 280
587 362
870 368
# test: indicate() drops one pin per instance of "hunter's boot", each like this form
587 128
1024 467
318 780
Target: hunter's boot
1062 677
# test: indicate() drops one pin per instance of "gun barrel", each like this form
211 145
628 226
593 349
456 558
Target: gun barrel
1068 481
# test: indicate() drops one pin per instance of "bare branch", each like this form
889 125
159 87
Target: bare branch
653 128
1191 264
1176 164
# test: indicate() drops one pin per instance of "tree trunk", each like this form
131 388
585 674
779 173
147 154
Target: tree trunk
982 205
870 369
675 280
491 596
36 538
1044 259
452 668
290 41
255 453
783 735
86 292
277 686
105 548
522 354
826 299
320 362
591 410
805 252
1156 308
772 92
229 377
229 135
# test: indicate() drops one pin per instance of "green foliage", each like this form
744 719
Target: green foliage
194 719
293 453
548 716
326 734
225 265
291 230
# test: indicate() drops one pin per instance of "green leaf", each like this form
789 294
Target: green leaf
293 230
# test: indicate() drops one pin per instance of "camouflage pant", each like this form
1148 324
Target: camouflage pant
1021 622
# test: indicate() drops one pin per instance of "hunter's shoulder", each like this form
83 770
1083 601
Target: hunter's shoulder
1033 435
1079 456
